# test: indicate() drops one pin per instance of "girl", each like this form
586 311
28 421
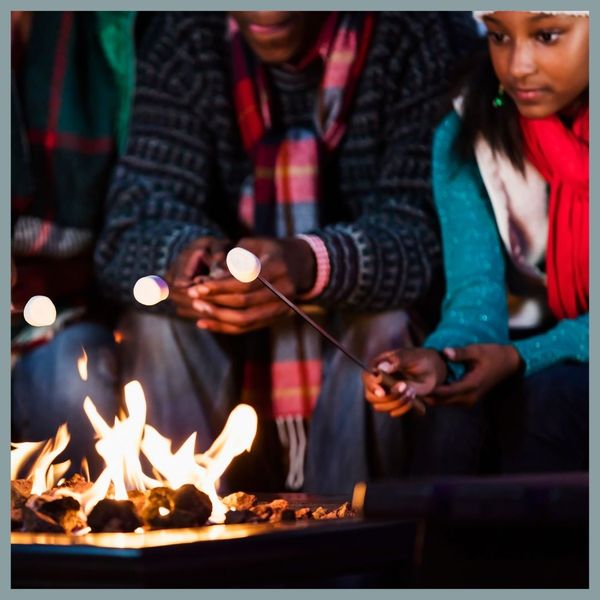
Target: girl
511 185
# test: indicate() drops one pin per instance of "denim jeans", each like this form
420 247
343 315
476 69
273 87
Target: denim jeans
541 423
47 390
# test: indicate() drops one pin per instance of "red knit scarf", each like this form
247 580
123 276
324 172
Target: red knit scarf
561 155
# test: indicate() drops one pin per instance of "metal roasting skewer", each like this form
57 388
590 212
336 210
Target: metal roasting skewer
386 379
310 321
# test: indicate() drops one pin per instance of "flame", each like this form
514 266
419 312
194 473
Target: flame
237 436
42 472
82 362
22 451
59 470
120 445
85 468
118 336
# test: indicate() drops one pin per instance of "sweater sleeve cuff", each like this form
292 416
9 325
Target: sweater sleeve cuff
323 265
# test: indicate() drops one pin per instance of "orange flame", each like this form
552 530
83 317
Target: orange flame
44 476
82 363
18 457
120 447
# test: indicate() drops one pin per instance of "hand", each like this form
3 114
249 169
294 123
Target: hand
228 306
192 265
197 258
421 370
487 366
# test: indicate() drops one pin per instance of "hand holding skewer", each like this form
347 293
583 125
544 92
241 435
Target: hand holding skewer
418 372
225 304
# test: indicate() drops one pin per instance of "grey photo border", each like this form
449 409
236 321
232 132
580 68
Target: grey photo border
158 5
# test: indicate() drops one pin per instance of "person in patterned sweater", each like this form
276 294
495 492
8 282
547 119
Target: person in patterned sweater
71 86
304 138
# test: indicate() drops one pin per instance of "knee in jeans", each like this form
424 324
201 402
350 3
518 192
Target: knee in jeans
556 390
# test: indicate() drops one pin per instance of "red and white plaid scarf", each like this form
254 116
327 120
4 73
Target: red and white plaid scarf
282 196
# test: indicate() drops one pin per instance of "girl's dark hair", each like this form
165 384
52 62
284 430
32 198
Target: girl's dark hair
478 85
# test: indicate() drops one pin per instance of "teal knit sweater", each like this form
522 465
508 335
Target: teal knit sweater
475 305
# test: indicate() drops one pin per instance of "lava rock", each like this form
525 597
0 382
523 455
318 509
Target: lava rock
303 514
288 515
114 515
46 513
233 517
36 521
187 507
20 490
77 483
239 501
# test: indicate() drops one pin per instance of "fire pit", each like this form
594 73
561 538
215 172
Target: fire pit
172 529
303 553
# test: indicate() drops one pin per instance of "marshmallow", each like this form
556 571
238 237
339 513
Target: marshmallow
39 311
243 265
150 290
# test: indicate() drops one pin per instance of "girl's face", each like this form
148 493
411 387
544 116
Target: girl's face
542 61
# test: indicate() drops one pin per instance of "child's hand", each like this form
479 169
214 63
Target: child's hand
420 370
487 366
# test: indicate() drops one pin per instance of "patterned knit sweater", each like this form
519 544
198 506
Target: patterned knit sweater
181 176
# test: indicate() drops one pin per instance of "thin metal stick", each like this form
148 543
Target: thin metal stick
324 333
386 379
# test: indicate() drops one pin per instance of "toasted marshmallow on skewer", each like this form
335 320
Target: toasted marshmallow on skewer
150 290
39 311
243 265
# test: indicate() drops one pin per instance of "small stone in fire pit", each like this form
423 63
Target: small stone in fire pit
138 497
321 514
288 515
303 514
189 497
34 520
233 517
114 515
270 512
168 509
157 506
77 483
345 511
239 501
48 514
16 519
20 490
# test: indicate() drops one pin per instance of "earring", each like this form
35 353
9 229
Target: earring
498 101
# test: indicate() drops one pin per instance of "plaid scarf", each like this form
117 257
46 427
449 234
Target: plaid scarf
281 199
